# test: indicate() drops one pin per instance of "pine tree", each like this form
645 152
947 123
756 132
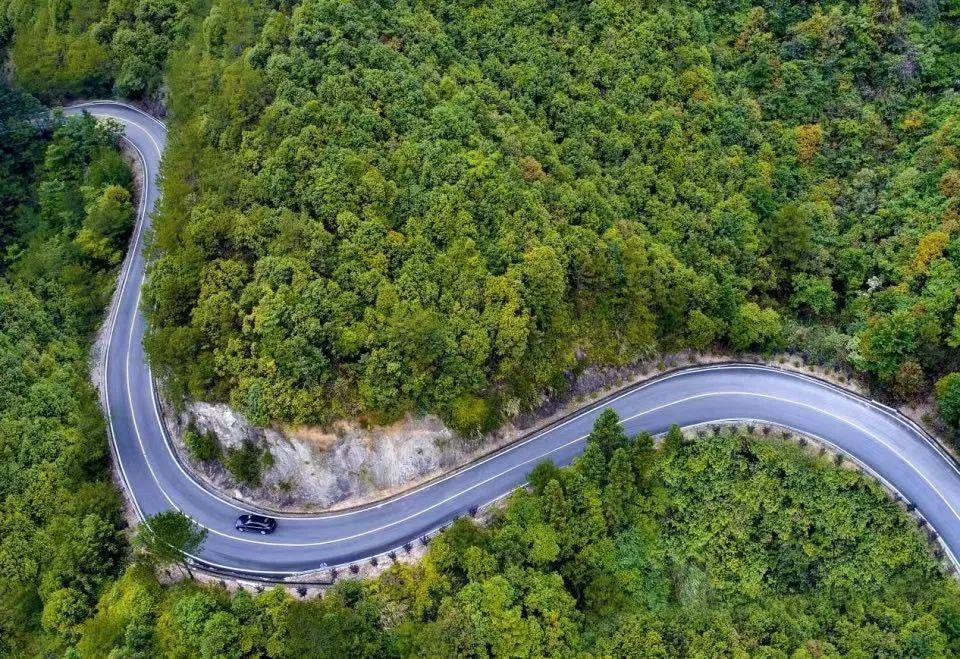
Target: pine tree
620 495
593 464
542 474
168 538
608 433
643 454
673 442
556 509
587 523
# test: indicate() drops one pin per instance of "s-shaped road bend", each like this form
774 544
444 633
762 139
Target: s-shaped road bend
890 446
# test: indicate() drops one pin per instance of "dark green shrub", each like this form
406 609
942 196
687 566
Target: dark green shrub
202 447
246 463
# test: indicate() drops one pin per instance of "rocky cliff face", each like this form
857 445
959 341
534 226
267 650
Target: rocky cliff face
316 469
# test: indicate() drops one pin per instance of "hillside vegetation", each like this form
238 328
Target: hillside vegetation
388 206
449 205
65 214
729 546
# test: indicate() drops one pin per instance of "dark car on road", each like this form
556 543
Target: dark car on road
256 524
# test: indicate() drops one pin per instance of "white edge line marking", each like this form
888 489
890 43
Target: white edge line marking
112 322
135 242
537 435
555 449
122 104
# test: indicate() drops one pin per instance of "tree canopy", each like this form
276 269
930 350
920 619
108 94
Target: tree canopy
727 545
63 188
442 205
379 207
169 538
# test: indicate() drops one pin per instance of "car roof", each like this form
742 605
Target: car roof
261 519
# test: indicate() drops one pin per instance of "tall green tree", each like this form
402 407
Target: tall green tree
170 538
620 494
607 433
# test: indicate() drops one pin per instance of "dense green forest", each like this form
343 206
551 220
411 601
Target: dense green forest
446 206
65 215
434 205
727 546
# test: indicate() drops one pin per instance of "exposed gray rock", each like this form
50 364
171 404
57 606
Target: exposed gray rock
316 469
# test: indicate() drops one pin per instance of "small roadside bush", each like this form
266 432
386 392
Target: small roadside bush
202 447
471 416
246 462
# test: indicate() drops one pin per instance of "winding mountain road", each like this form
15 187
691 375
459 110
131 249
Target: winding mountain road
890 446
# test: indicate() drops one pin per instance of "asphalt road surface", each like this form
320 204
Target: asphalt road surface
894 449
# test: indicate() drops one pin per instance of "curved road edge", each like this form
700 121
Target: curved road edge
890 446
